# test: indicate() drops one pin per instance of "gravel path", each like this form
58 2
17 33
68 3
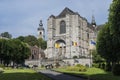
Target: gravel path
59 76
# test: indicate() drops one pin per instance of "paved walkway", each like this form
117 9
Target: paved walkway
59 76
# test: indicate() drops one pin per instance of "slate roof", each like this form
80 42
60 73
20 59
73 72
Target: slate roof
66 11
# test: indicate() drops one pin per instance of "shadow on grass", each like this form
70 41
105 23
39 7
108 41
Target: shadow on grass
98 76
105 76
22 76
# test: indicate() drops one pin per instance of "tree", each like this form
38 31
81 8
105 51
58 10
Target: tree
42 43
31 40
114 21
21 38
105 45
13 50
20 53
6 35
96 57
7 52
2 49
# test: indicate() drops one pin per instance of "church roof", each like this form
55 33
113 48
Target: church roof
66 11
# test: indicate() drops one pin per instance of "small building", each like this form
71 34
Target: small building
37 55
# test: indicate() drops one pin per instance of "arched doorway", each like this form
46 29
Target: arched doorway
60 49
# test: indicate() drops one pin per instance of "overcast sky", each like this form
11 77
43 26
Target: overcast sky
21 17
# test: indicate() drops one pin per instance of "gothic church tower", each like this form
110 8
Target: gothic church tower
41 31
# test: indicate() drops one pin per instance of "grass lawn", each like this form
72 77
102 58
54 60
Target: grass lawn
22 74
93 73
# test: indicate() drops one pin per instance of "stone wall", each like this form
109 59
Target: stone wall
64 62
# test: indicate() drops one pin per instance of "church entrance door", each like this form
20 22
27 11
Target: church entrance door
60 49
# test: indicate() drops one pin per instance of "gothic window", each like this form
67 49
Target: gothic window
62 27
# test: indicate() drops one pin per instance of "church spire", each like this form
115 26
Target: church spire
93 21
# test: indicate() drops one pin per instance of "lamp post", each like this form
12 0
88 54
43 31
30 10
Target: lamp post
90 58
53 49
70 40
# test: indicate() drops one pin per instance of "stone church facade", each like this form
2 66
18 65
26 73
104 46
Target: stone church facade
69 35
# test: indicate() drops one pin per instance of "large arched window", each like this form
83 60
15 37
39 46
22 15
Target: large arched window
62 27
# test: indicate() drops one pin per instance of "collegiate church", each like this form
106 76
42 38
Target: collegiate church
69 35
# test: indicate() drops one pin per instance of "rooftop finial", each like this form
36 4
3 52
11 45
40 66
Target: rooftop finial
93 19
40 26
40 23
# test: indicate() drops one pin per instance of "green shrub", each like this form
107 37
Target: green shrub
108 67
20 67
7 68
77 67
96 65
87 65
116 70
1 70
1 65
72 68
99 65
103 66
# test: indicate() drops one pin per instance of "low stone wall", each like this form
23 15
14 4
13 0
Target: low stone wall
33 62
83 61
